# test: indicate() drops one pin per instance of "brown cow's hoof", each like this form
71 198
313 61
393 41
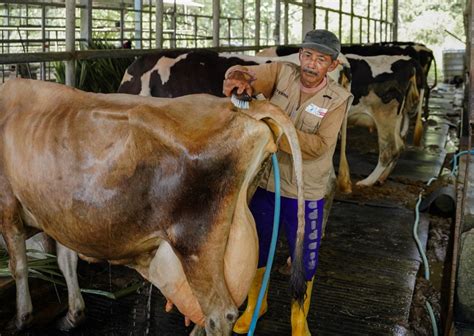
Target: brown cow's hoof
71 321
24 321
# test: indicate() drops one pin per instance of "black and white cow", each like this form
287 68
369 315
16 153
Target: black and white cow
176 73
386 89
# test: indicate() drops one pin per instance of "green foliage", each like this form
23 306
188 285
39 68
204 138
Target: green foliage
427 21
99 75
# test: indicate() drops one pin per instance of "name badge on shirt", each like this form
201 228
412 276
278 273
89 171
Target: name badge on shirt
316 110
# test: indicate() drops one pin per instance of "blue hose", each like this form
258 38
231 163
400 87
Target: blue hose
271 254
454 171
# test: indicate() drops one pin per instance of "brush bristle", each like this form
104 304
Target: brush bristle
239 103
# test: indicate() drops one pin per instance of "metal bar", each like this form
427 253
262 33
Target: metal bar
352 22
340 19
101 53
216 13
150 30
285 27
243 21
195 32
229 36
86 21
326 20
137 6
368 21
308 16
173 25
395 21
70 40
257 22
276 32
386 20
301 4
381 18
43 37
122 23
159 24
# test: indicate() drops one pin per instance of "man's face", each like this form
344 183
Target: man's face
314 66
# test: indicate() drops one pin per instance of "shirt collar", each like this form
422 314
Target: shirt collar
316 88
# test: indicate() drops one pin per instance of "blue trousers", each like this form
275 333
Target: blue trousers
262 206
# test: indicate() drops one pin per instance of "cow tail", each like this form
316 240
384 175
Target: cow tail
270 111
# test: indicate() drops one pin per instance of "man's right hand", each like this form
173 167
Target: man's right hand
239 80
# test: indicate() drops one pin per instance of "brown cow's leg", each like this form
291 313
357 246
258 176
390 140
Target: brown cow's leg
198 331
14 235
67 261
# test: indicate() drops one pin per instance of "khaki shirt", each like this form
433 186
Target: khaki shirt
317 119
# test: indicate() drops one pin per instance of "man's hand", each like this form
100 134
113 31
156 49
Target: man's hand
240 80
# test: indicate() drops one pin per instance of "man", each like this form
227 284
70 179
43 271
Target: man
317 106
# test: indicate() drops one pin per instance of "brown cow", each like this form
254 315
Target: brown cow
137 181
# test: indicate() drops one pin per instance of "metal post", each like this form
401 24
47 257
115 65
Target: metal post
43 40
242 20
368 22
308 16
216 14
386 20
285 28
138 23
70 40
326 20
340 20
174 25
395 20
381 19
86 21
159 24
122 22
352 22
257 22
276 32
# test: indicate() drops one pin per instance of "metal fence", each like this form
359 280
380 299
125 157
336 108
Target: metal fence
39 26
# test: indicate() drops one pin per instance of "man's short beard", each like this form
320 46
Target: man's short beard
310 71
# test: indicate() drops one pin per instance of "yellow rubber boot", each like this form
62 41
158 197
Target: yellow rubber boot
242 325
299 325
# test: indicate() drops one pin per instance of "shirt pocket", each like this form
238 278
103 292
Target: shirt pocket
310 123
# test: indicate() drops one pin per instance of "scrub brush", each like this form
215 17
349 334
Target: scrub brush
241 101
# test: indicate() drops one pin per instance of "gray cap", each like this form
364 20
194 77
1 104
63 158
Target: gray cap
323 41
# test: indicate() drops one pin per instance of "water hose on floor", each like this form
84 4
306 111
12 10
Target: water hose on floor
454 172
426 266
271 254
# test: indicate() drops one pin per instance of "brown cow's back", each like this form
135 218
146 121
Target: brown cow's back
81 153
